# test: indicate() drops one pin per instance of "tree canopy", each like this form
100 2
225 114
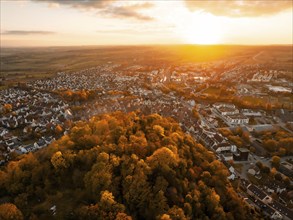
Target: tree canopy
122 166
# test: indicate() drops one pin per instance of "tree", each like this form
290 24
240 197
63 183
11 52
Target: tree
10 211
273 172
99 178
113 163
245 136
237 140
270 145
282 151
287 144
278 176
58 161
266 170
252 149
176 213
108 206
122 216
7 108
287 181
159 130
275 161
165 217
162 157
159 203
58 129
238 131
259 164
195 113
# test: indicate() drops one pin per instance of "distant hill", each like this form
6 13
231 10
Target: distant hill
121 166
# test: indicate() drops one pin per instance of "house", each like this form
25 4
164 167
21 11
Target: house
227 156
262 77
274 187
68 114
279 89
204 137
3 131
241 154
237 119
225 147
231 169
228 105
272 213
286 197
286 168
251 113
29 148
284 211
268 210
222 147
254 191
219 138
23 150
253 170
41 143
232 176
263 127
227 110
285 115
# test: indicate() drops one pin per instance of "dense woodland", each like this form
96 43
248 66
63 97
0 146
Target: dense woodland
121 166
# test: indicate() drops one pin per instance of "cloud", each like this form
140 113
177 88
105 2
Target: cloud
22 32
240 8
128 12
106 7
84 4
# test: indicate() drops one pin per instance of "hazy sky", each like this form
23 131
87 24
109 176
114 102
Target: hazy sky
117 22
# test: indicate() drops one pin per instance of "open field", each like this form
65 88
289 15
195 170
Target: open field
22 64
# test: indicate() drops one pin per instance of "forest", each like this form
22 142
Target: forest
121 166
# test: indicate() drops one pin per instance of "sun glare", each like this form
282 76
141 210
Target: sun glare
201 29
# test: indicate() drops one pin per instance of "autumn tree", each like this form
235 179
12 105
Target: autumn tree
58 129
10 211
7 108
270 145
58 161
123 166
275 161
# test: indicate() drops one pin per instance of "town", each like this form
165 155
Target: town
246 120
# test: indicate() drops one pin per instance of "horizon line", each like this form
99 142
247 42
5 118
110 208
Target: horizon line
132 45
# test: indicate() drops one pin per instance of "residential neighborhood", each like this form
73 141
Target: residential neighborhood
36 113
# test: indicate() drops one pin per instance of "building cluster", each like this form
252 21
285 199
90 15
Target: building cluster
230 114
263 77
269 206
31 114
30 120
225 150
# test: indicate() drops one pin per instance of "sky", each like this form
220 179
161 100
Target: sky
32 23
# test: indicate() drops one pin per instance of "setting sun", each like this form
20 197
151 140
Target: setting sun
201 29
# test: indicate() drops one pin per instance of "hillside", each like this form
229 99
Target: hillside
121 166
